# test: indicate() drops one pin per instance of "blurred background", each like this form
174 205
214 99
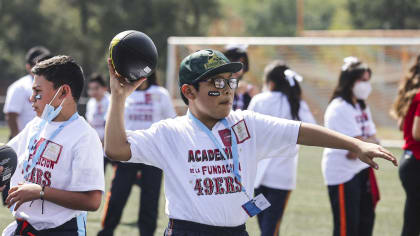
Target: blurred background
83 30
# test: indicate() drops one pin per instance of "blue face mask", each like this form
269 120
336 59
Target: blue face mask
49 113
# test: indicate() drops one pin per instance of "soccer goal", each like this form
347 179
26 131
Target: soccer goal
317 59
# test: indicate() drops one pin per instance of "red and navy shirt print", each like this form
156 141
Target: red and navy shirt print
214 175
41 173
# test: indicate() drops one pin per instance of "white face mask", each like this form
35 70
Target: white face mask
49 113
362 89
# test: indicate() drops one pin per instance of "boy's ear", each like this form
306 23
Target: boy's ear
66 90
188 92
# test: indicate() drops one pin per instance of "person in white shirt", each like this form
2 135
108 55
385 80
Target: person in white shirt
59 175
238 53
352 186
209 156
276 177
17 106
148 104
97 107
97 104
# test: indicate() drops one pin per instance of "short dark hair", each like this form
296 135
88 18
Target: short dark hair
235 54
97 78
35 54
152 79
62 70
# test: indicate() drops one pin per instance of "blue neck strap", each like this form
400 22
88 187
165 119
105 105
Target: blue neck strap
32 144
235 155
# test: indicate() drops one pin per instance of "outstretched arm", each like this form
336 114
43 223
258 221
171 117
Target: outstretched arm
314 135
115 144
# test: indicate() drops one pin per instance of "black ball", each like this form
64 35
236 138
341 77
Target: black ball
8 159
133 55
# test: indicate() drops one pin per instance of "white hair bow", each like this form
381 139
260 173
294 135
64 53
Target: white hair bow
291 76
348 61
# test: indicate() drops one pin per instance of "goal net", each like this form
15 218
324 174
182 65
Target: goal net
317 59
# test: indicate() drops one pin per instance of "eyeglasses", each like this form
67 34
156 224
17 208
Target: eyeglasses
220 82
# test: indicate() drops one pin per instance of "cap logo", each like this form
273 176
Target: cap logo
213 62
147 69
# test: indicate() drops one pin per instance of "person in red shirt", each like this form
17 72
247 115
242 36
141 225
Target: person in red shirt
406 110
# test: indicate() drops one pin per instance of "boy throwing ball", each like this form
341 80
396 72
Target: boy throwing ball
209 156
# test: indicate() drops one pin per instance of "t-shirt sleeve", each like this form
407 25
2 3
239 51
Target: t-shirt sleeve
88 164
252 104
18 142
343 121
14 100
257 105
146 145
168 110
372 127
305 114
275 137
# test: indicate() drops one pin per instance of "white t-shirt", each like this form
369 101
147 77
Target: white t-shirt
352 121
278 173
145 107
17 101
72 161
96 114
199 184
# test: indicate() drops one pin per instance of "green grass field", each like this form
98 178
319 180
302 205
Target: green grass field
308 211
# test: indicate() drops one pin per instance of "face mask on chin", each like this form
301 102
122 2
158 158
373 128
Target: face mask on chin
362 90
49 113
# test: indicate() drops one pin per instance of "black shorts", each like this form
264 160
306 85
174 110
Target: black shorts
188 228
410 178
70 228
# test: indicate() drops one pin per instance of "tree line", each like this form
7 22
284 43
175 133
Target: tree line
83 29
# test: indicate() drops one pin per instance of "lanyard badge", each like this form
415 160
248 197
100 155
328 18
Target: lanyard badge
36 152
254 205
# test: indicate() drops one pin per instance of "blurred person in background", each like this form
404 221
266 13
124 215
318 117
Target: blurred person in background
18 107
276 177
97 106
238 53
406 109
148 104
352 186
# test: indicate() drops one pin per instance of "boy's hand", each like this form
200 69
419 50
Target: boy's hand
119 85
368 151
23 193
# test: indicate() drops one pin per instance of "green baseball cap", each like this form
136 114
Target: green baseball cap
204 64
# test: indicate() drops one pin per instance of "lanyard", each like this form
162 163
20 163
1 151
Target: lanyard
235 155
32 144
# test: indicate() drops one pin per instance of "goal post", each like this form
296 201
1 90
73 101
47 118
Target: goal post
317 59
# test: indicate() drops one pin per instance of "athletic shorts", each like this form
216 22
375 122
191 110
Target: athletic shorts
188 228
